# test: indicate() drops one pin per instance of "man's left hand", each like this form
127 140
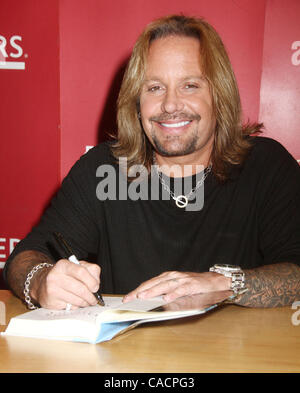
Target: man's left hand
172 285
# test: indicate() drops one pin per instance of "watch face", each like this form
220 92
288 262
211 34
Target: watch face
227 267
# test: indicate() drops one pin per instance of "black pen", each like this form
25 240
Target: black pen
72 258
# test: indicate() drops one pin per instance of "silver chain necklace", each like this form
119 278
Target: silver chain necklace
181 200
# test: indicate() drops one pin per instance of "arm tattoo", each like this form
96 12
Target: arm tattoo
271 286
20 266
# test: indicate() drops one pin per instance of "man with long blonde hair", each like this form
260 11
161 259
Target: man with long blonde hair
220 207
230 144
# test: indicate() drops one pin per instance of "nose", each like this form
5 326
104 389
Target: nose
171 102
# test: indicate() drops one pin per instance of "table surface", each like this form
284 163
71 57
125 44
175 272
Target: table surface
227 339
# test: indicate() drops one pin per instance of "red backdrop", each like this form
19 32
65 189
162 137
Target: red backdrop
71 55
29 115
280 85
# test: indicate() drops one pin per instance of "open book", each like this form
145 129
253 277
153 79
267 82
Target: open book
97 324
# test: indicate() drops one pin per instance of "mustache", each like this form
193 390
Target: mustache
175 116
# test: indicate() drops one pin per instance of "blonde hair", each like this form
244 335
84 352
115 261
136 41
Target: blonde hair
230 144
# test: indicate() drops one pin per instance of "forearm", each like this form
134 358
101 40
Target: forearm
271 286
20 266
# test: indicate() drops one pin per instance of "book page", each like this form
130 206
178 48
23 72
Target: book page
96 324
94 313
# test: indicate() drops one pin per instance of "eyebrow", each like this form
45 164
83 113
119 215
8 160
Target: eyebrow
157 79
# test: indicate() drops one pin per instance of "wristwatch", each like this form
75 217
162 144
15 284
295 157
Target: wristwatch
235 272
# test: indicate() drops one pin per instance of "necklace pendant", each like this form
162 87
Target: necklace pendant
181 201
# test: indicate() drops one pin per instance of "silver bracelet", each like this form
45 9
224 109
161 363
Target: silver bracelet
30 305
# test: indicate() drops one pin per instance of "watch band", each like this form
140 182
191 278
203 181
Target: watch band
235 272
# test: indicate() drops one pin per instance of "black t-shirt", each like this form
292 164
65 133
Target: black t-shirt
253 219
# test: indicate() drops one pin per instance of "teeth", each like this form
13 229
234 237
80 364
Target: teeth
175 125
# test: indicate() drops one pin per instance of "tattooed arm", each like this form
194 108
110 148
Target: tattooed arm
271 286
20 266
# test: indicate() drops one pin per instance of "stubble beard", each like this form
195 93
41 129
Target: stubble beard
172 145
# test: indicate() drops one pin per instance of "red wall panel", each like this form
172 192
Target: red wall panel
280 86
29 115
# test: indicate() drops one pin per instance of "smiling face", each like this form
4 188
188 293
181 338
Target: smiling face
175 101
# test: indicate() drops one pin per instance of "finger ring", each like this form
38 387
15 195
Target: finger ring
68 306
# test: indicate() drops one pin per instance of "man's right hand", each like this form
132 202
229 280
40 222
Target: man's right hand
66 283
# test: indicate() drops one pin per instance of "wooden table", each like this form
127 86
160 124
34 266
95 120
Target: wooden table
228 339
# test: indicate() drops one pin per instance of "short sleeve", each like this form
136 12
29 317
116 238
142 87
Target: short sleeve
71 213
279 207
